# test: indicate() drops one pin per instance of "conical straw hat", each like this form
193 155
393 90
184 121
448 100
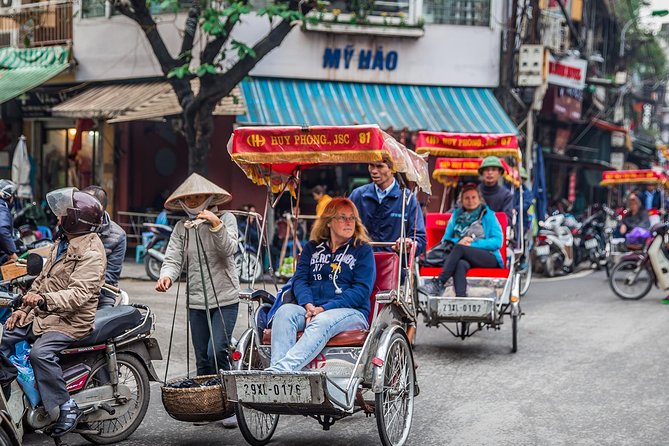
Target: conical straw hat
196 185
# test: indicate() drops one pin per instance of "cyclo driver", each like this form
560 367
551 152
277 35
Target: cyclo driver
60 306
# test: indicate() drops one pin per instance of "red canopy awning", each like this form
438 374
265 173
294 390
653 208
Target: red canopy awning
467 145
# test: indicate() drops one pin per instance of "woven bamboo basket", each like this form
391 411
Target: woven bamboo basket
198 403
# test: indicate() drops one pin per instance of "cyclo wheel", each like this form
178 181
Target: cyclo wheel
622 273
525 279
256 427
394 404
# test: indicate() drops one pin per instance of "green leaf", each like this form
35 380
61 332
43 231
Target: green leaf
179 72
243 50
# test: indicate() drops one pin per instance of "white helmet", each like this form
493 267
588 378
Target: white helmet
7 189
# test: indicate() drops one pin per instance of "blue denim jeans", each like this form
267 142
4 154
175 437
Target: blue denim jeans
222 331
291 355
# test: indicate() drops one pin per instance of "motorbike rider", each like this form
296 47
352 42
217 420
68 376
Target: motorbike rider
380 206
497 197
7 245
114 239
61 304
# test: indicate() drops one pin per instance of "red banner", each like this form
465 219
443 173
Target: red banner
447 170
612 177
466 145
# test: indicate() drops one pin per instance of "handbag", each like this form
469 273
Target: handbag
436 256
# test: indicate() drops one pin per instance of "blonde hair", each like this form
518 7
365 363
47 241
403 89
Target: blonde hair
321 231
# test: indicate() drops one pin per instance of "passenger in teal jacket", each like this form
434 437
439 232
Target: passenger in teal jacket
477 238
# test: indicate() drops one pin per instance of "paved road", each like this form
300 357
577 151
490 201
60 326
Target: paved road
591 370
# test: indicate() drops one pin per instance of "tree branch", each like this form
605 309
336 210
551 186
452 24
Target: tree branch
185 54
214 47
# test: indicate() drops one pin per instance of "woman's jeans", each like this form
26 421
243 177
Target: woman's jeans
289 355
460 260
222 331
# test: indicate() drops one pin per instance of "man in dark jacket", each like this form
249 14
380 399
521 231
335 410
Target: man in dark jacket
7 245
115 242
497 197
380 206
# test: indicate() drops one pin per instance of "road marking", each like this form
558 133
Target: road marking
578 275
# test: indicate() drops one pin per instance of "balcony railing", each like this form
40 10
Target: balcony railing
36 24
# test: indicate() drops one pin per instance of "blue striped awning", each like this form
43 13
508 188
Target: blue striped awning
302 102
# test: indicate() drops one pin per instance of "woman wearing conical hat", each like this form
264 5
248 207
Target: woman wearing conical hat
199 198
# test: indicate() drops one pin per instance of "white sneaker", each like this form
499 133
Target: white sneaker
230 422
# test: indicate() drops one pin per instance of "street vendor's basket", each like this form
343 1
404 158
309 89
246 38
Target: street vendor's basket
195 404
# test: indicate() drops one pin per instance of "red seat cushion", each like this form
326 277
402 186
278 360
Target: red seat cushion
435 227
351 338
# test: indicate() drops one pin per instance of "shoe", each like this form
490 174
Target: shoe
68 419
665 301
230 422
434 287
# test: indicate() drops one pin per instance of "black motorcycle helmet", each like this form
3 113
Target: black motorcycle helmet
79 212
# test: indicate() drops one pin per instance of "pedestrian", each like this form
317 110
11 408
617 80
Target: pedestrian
476 238
332 286
497 198
380 206
322 199
215 302
651 198
114 239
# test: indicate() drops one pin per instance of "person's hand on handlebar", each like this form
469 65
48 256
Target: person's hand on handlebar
163 284
18 317
32 299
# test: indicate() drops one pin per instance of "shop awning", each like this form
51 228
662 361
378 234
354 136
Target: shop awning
131 102
22 69
304 102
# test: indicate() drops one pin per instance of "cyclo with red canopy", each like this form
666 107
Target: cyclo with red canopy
362 370
492 292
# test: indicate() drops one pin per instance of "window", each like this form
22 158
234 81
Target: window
96 8
457 12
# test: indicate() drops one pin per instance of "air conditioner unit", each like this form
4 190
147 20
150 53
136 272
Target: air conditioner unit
554 32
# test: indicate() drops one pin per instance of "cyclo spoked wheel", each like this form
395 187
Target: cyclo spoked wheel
256 427
131 373
394 404
628 282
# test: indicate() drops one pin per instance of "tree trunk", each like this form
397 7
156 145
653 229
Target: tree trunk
198 136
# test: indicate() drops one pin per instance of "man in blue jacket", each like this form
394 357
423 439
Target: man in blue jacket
115 242
7 245
380 206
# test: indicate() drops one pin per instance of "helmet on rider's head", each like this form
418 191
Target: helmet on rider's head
79 212
491 161
7 189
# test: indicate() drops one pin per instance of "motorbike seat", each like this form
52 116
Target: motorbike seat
109 323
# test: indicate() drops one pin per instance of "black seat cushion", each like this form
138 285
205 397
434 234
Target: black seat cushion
109 323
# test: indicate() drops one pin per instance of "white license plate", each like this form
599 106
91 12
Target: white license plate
284 389
592 243
462 308
542 250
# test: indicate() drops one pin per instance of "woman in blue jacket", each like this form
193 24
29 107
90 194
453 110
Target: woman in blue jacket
332 285
477 238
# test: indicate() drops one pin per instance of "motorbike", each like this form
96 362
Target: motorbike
249 266
155 249
107 373
593 239
554 248
636 272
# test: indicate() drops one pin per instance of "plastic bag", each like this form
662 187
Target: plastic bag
637 236
26 376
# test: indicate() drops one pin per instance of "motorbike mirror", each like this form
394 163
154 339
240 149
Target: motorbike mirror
35 264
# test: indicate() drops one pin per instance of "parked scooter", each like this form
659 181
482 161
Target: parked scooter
249 266
592 234
155 249
554 248
108 374
636 272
